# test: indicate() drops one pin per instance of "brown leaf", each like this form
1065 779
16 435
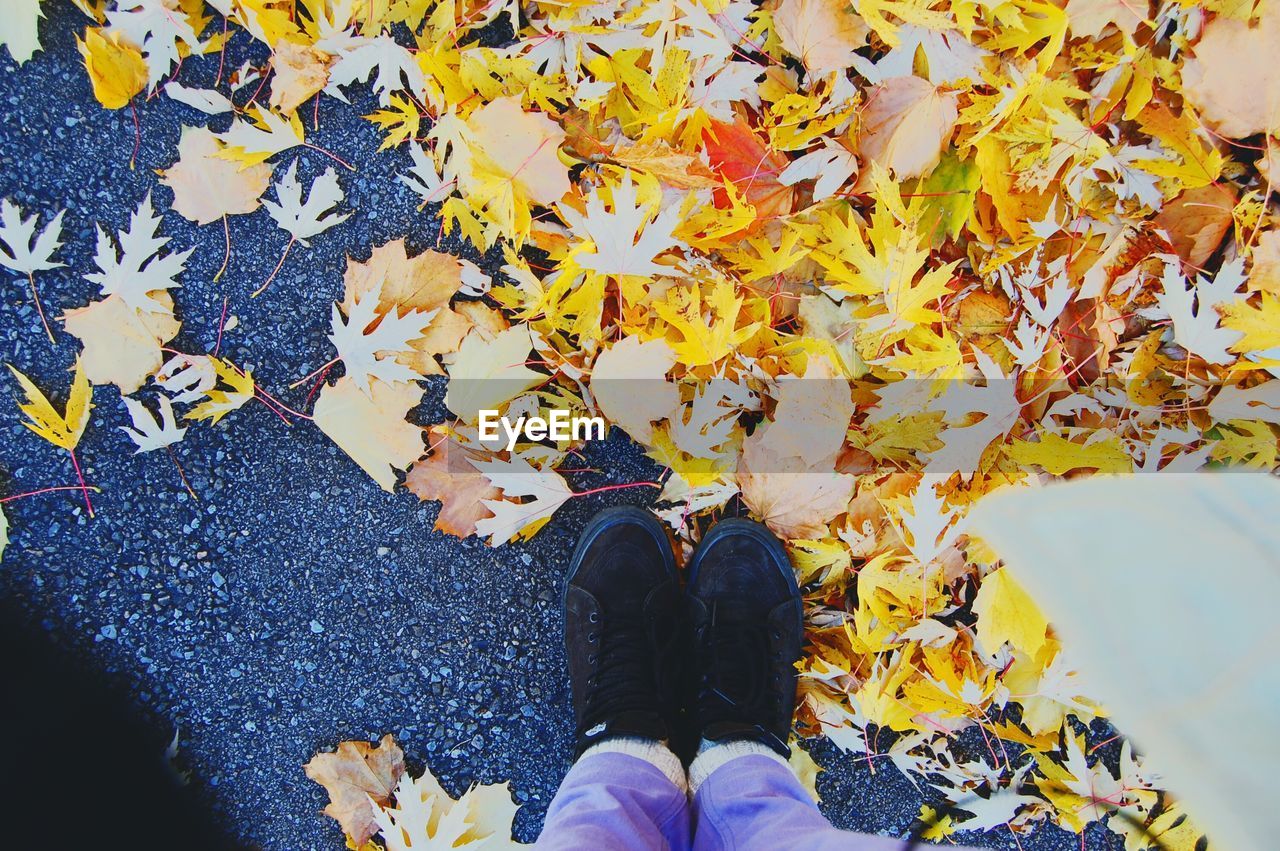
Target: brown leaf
423 282
670 166
301 71
1232 79
122 345
1197 220
207 187
446 475
352 774
905 125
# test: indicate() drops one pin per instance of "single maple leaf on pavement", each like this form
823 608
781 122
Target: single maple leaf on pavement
368 344
207 187
370 426
26 253
152 432
303 219
19 29
136 269
358 776
447 475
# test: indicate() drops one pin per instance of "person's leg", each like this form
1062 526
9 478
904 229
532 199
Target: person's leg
621 794
745 610
622 615
746 797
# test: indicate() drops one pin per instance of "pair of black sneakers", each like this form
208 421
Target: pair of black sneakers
713 660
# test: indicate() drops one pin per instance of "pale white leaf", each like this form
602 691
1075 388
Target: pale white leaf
623 244
20 248
304 220
546 490
208 101
136 268
19 30
152 432
372 354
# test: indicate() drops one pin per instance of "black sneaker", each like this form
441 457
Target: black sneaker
622 609
748 628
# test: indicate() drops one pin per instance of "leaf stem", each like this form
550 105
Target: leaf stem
10 498
222 324
617 488
226 258
35 295
281 405
314 373
181 473
329 154
276 270
84 487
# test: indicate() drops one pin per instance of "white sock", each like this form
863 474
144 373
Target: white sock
652 751
712 755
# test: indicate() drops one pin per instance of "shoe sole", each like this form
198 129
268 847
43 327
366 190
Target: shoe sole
756 531
614 516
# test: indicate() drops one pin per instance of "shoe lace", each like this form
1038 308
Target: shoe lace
738 680
623 676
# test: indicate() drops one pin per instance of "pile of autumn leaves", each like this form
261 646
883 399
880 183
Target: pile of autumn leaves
1021 240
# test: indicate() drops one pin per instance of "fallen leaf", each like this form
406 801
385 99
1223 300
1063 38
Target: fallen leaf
546 491
121 343
1006 613
207 187
300 72
905 125
629 382
1197 220
1222 78
19 30
790 497
116 68
219 402
822 34
448 475
370 426
61 429
358 776
521 147
486 373
152 432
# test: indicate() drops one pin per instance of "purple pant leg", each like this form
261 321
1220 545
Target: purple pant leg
615 801
752 803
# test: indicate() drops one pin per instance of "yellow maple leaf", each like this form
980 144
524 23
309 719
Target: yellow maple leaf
63 430
222 402
1006 612
116 68
703 330
1058 455
1260 325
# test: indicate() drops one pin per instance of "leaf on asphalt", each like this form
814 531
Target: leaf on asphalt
19 29
234 388
545 490
133 267
424 817
368 342
21 248
262 137
370 425
207 187
301 71
303 220
447 475
116 68
150 431
208 101
61 429
486 373
122 344
358 776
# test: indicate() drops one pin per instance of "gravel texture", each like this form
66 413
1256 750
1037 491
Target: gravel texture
294 604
